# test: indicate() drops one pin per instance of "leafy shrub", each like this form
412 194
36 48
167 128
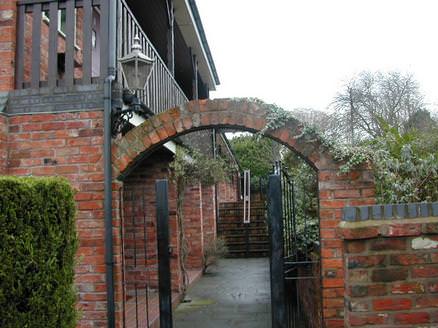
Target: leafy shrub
38 243
214 250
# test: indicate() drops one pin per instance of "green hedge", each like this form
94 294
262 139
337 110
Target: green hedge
38 242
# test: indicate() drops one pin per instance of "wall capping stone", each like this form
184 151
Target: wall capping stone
54 100
389 212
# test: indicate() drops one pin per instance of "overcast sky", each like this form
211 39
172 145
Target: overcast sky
299 53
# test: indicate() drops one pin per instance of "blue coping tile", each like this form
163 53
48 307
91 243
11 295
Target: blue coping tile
413 210
435 209
364 213
388 211
424 209
401 210
377 212
349 213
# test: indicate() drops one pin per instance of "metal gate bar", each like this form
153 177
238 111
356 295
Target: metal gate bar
299 267
164 279
135 266
277 246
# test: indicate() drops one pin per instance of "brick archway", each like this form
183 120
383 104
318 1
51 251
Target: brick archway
335 191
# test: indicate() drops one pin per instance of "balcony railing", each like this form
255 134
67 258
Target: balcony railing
162 91
65 43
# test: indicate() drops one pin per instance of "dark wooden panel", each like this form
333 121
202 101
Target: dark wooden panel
46 4
36 48
53 44
69 42
19 78
86 43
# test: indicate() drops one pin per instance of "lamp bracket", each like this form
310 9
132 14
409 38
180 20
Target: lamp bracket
123 111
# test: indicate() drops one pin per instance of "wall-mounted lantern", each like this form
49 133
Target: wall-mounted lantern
136 69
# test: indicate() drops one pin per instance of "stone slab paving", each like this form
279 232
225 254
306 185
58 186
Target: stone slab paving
235 294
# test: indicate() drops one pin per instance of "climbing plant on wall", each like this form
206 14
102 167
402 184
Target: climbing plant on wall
405 164
189 168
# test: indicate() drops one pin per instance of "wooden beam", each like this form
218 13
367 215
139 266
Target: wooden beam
87 42
70 26
53 45
36 46
19 78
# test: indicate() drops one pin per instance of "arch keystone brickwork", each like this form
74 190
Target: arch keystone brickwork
335 191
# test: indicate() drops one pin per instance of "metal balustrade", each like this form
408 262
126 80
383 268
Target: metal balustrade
162 91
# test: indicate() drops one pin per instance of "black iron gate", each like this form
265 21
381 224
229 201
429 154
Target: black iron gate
295 262
145 257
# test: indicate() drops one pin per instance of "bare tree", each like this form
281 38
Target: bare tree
372 97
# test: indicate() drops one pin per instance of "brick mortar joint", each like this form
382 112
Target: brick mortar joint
385 228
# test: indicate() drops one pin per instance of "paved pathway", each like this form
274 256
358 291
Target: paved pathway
236 294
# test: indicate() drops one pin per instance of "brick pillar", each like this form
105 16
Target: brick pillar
193 226
7 44
3 143
117 251
209 213
335 192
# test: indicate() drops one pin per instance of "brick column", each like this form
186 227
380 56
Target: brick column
209 213
193 226
7 44
335 192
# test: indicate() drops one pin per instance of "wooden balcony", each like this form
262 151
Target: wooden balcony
64 43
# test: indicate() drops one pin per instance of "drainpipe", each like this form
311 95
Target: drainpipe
107 203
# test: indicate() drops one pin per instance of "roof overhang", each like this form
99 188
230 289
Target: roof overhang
189 22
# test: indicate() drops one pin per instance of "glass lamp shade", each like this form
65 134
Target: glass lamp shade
136 66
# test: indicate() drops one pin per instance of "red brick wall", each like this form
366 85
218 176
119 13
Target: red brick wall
228 191
335 192
193 226
309 291
392 275
7 44
139 205
3 143
209 213
71 145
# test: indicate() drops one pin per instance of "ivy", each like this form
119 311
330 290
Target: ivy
277 117
187 169
405 171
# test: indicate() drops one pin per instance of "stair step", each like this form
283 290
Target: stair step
244 235
239 243
238 231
